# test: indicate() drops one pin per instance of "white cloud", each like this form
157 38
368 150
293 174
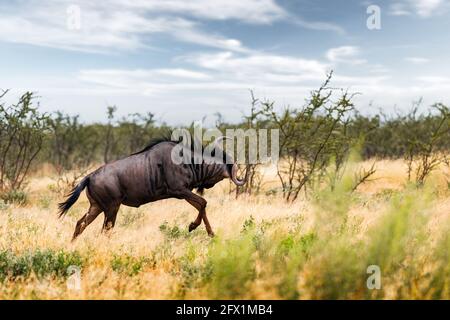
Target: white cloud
129 25
378 69
417 60
221 80
319 25
180 100
209 83
219 83
196 84
423 8
247 11
399 9
194 36
260 67
399 12
426 8
345 54
183 73
126 25
437 80
222 70
118 31
141 81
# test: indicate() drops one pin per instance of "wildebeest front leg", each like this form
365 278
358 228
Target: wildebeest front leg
200 204
194 224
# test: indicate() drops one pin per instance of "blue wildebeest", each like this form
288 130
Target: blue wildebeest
147 176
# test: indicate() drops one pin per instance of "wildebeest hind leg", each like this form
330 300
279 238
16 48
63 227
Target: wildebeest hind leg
110 218
90 216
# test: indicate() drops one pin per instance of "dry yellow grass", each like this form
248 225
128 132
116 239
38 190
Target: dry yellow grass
137 234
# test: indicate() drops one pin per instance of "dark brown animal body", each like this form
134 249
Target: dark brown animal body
144 177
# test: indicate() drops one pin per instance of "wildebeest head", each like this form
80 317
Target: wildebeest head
218 166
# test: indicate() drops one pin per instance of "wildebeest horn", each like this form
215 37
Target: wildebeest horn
219 139
234 177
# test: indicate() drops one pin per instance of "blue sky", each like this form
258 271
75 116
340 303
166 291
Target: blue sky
183 60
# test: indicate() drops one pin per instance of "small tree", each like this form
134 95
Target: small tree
311 138
128 134
252 174
134 131
22 131
426 146
72 145
109 134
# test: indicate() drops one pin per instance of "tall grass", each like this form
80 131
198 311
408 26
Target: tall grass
316 248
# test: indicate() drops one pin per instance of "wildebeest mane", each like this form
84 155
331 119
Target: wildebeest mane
167 138
154 142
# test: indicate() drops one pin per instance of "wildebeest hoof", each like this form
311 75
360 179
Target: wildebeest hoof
211 234
192 226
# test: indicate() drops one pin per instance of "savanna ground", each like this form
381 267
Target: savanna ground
318 247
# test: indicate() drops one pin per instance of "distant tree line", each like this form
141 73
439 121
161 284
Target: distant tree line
315 140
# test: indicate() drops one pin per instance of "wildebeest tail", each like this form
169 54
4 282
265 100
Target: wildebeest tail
72 196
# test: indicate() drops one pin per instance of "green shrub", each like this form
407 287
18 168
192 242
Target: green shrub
23 131
44 202
41 263
14 196
386 194
192 271
439 285
230 267
173 232
391 239
129 265
337 271
3 205
248 224
290 255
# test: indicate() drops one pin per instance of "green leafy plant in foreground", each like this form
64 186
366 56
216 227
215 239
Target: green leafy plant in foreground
41 263
230 267
129 265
